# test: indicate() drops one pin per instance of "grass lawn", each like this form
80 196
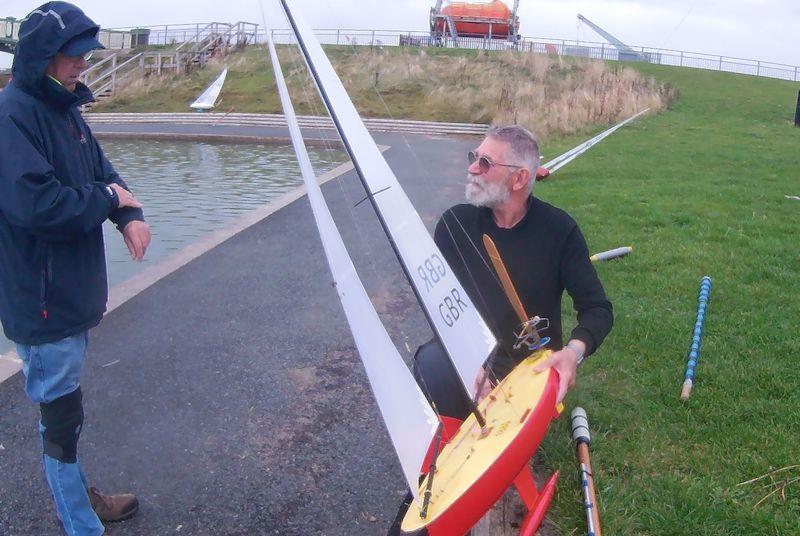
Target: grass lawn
697 190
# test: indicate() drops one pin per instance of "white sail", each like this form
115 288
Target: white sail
563 159
408 417
465 335
208 98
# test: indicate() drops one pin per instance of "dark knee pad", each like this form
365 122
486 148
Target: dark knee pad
62 420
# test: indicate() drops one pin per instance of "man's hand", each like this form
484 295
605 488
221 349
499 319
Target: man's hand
483 386
565 361
126 199
137 237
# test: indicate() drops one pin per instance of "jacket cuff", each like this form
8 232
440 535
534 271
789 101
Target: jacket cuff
125 215
109 194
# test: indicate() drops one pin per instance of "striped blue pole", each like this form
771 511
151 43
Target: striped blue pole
694 349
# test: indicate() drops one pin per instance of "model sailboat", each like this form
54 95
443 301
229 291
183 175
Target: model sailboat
491 448
208 98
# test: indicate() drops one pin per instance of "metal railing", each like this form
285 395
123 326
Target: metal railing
562 47
107 81
277 120
9 28
176 34
241 33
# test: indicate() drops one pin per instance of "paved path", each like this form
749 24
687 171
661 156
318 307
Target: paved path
229 395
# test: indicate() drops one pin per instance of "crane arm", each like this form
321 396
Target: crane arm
607 36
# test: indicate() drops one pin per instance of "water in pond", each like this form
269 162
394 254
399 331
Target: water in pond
191 189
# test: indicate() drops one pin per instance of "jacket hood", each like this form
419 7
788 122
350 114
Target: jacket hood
41 35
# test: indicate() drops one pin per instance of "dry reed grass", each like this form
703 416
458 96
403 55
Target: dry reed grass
777 480
551 95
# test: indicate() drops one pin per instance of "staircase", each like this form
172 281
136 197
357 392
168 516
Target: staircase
9 32
214 39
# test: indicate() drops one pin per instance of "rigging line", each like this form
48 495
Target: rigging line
369 333
488 372
311 99
500 341
427 183
489 369
490 360
679 24
359 223
378 213
372 194
431 472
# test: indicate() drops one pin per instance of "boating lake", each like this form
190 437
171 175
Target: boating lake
190 189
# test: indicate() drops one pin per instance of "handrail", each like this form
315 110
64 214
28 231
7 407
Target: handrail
205 32
278 120
114 70
95 66
107 85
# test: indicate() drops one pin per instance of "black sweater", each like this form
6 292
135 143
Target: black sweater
545 253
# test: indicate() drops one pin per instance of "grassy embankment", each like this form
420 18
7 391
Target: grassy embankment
697 190
438 85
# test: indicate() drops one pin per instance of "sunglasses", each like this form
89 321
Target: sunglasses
485 163
85 56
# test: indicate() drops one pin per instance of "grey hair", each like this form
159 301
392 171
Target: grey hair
523 145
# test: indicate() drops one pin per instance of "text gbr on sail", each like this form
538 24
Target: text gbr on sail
432 271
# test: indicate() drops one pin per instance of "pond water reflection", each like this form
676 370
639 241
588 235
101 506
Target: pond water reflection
190 189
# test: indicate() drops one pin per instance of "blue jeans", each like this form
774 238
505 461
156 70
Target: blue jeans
51 371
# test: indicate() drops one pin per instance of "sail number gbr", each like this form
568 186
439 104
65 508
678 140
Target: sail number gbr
432 272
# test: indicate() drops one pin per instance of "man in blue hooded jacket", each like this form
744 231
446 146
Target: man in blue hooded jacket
56 190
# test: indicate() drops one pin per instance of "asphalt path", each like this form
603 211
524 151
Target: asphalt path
229 395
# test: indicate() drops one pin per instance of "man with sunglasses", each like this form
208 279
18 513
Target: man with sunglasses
545 254
56 190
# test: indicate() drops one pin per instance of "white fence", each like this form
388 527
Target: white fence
179 33
563 47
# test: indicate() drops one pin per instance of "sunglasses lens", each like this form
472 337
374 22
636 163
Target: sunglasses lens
484 164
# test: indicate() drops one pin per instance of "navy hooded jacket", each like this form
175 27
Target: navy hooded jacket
54 196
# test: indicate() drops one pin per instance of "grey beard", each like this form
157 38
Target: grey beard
486 195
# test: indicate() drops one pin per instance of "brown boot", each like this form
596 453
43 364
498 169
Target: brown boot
110 508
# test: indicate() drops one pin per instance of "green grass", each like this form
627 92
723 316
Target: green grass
697 190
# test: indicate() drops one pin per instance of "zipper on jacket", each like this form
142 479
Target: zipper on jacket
47 272
77 133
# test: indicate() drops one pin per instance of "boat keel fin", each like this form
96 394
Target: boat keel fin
536 500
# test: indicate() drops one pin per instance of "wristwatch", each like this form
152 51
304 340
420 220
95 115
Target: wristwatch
574 348
110 192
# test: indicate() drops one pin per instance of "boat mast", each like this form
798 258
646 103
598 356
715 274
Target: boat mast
371 196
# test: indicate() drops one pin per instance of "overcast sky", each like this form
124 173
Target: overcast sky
766 30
